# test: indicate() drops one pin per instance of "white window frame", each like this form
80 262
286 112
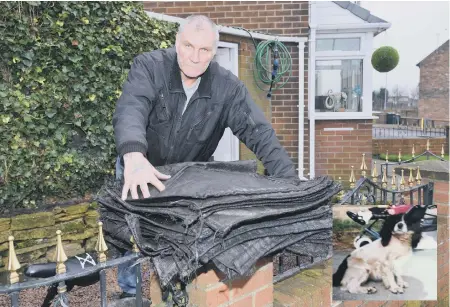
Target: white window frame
365 54
333 53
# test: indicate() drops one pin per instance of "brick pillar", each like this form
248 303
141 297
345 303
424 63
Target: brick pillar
441 198
207 290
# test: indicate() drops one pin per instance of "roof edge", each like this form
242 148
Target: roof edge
359 11
432 52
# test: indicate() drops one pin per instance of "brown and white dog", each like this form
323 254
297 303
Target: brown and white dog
381 259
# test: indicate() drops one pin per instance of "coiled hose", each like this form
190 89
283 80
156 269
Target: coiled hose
263 65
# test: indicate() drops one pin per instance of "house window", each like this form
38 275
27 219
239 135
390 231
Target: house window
339 85
338 44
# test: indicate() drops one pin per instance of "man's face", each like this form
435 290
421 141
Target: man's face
195 49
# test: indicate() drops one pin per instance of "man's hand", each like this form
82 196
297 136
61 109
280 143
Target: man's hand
139 172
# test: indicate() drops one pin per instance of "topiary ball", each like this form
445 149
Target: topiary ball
385 59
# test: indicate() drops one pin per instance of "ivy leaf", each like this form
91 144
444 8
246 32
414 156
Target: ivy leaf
75 59
50 113
109 128
28 55
27 63
34 3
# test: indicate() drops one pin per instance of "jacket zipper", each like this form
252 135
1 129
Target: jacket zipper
161 96
177 128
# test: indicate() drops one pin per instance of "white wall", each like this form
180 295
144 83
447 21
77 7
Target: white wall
329 13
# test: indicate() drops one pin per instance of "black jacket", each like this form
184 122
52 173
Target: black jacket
148 116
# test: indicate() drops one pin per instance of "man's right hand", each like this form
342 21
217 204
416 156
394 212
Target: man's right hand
139 171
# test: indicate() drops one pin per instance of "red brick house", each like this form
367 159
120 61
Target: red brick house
433 85
330 43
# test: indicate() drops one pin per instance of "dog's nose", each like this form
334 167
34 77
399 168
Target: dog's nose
400 225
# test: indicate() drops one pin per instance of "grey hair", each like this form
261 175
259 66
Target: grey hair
199 20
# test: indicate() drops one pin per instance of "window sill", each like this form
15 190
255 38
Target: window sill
340 115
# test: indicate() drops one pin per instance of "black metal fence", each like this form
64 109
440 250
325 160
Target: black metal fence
368 192
286 264
64 279
403 132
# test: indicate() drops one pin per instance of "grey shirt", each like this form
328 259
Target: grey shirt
190 91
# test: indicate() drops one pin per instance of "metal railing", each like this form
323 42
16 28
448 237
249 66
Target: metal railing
97 271
369 192
404 132
378 191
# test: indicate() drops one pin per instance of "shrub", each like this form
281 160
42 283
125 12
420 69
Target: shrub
62 67
385 59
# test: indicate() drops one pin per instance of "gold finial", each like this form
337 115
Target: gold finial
393 180
374 172
352 179
384 179
411 178
442 151
387 154
413 151
363 165
400 155
402 181
101 247
13 262
418 177
428 144
135 247
60 255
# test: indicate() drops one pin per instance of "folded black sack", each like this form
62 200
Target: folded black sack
222 213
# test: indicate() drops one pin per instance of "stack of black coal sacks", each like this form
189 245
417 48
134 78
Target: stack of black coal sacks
221 213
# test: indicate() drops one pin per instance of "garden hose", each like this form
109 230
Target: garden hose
263 71
272 65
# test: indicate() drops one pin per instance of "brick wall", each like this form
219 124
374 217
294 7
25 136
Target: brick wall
337 151
207 290
379 146
277 18
434 85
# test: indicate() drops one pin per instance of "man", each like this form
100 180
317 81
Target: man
175 106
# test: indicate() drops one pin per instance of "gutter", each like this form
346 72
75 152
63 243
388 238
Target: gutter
377 28
366 26
288 39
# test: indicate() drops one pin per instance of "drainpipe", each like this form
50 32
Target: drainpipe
301 110
311 99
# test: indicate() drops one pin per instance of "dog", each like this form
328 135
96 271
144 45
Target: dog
378 260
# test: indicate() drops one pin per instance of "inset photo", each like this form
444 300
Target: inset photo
385 233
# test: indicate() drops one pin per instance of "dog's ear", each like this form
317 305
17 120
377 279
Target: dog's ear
387 229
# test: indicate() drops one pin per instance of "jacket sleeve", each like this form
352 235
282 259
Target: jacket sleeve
248 123
133 108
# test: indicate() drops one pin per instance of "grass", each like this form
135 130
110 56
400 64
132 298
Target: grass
394 158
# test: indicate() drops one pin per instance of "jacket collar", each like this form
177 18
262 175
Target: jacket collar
176 85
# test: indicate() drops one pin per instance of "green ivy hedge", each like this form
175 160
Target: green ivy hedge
62 67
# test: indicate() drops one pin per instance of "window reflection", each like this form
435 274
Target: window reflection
339 85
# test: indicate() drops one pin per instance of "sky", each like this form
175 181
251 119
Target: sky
417 28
